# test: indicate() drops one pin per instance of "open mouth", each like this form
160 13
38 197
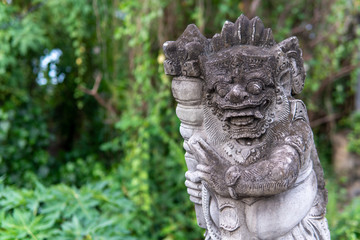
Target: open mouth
263 104
239 122
247 117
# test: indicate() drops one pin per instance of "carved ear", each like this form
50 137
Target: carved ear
290 47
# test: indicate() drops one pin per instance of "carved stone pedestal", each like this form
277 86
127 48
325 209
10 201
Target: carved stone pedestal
253 171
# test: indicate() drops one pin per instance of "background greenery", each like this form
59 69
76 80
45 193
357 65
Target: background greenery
89 142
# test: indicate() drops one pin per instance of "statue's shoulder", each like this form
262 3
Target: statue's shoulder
298 111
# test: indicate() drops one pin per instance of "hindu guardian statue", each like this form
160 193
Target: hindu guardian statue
253 170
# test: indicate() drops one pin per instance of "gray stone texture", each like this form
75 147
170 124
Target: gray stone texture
253 170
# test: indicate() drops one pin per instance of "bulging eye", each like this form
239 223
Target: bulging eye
222 92
254 87
222 89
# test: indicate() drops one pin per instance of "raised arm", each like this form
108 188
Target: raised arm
268 177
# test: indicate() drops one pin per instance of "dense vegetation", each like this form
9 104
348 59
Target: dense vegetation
89 142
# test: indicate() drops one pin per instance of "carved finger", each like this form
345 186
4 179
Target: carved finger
195 200
203 168
189 184
192 141
194 193
204 176
192 176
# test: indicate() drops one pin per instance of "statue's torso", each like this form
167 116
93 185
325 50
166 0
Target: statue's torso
272 217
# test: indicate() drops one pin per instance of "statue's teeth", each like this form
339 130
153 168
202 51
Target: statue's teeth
241 121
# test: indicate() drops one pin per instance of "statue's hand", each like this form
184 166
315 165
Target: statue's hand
212 168
194 186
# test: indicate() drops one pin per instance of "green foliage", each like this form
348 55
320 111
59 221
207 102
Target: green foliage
20 141
36 137
95 211
343 222
346 223
354 136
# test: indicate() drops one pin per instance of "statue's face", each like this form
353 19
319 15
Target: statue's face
241 90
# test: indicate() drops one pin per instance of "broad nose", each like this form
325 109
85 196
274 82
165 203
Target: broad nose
237 94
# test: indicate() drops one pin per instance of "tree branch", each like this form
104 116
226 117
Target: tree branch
253 7
326 119
20 16
94 92
331 78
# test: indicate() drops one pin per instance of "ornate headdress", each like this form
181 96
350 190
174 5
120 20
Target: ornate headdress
183 55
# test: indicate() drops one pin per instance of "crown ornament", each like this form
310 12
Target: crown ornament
183 56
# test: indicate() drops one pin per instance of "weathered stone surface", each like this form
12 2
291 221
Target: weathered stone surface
253 171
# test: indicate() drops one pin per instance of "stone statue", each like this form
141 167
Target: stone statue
253 170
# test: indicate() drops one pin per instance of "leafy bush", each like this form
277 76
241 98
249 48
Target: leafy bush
346 223
95 211
354 136
20 141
